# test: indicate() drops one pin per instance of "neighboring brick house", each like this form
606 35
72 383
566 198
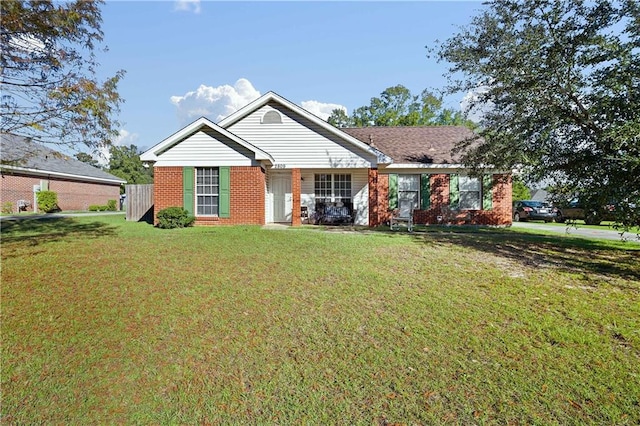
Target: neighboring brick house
26 166
273 161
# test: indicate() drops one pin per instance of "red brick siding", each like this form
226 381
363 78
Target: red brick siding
500 214
295 190
72 195
167 188
247 194
374 207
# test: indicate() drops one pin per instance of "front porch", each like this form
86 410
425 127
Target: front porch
327 196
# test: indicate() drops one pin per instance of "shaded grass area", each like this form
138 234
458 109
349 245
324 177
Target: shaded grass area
105 321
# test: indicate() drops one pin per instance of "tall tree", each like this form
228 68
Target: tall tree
87 158
124 162
559 84
50 91
339 118
397 106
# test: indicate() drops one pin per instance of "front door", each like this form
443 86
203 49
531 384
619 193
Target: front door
282 197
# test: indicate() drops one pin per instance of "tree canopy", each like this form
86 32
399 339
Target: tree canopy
50 91
559 87
397 106
87 158
125 163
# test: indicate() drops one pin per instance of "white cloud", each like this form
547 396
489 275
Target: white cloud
187 6
124 138
322 110
215 103
218 102
472 106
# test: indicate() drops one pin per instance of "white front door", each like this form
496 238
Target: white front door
282 197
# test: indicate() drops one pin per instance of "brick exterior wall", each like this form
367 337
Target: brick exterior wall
247 199
167 188
500 214
247 195
72 195
374 209
295 193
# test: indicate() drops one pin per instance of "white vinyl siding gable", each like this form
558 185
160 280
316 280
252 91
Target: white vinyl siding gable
206 148
298 142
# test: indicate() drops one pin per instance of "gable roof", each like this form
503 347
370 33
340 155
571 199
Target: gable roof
274 97
152 153
414 145
21 154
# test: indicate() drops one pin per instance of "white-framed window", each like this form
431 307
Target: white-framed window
408 194
470 193
207 191
332 188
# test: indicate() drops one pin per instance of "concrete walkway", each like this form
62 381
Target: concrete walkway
580 231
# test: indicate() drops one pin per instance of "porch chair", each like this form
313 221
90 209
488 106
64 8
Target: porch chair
403 215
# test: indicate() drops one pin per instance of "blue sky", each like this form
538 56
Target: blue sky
185 59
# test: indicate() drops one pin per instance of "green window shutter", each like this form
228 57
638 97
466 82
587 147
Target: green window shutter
393 191
425 191
454 192
224 198
487 192
187 189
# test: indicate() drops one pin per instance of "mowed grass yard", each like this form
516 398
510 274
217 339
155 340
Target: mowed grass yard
105 321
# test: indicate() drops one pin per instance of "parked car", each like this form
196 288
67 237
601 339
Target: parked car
533 210
575 211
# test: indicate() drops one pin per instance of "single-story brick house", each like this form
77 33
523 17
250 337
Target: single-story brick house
26 166
274 162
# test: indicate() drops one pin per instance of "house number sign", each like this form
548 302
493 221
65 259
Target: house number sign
279 166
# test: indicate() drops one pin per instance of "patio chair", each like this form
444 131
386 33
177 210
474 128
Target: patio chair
402 215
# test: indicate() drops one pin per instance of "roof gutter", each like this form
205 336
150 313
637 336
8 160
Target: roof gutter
45 173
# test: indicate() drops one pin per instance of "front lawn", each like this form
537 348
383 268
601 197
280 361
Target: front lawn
106 321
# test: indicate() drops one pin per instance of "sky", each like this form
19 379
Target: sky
189 58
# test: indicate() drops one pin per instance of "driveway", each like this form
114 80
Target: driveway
580 231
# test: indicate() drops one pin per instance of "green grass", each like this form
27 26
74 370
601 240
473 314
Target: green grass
106 321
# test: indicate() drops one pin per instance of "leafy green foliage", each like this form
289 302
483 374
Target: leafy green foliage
125 163
174 217
47 201
7 207
87 158
397 106
559 85
520 190
110 206
50 91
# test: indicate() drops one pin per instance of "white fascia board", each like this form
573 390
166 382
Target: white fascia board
381 157
46 173
153 153
205 163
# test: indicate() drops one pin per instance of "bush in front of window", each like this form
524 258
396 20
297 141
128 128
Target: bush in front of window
174 217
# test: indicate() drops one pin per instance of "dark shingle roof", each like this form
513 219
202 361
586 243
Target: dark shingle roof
414 145
24 154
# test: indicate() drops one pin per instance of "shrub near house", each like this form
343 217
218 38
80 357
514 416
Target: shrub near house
47 201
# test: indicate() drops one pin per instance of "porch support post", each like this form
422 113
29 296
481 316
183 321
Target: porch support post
295 193
374 216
